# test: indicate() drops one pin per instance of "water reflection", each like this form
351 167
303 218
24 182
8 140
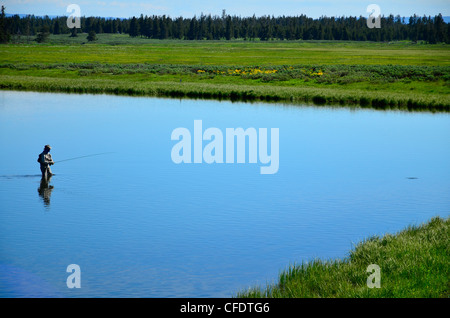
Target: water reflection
45 190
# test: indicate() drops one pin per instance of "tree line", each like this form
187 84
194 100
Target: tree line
227 27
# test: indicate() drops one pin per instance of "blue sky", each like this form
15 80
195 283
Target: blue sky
189 8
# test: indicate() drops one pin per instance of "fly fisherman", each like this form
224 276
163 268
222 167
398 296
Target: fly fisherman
45 159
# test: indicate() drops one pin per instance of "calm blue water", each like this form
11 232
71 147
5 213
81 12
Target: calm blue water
139 225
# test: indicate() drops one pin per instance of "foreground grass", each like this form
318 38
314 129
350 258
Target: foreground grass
413 263
397 75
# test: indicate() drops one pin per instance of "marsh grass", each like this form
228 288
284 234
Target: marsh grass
321 74
413 263
229 91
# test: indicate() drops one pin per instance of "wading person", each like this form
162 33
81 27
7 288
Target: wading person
45 159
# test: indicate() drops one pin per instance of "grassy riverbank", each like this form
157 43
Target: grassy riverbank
380 75
413 263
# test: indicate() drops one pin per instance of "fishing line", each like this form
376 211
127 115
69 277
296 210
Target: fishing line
95 154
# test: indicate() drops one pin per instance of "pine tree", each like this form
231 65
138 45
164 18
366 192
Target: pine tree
4 34
229 28
42 36
56 27
134 27
73 32
92 36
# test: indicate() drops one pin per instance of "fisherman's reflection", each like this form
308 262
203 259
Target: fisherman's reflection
45 190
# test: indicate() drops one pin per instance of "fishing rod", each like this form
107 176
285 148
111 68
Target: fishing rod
92 155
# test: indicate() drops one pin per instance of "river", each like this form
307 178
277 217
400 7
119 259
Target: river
139 224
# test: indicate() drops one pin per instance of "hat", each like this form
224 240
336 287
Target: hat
47 146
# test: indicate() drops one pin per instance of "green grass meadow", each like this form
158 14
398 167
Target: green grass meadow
413 264
380 75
